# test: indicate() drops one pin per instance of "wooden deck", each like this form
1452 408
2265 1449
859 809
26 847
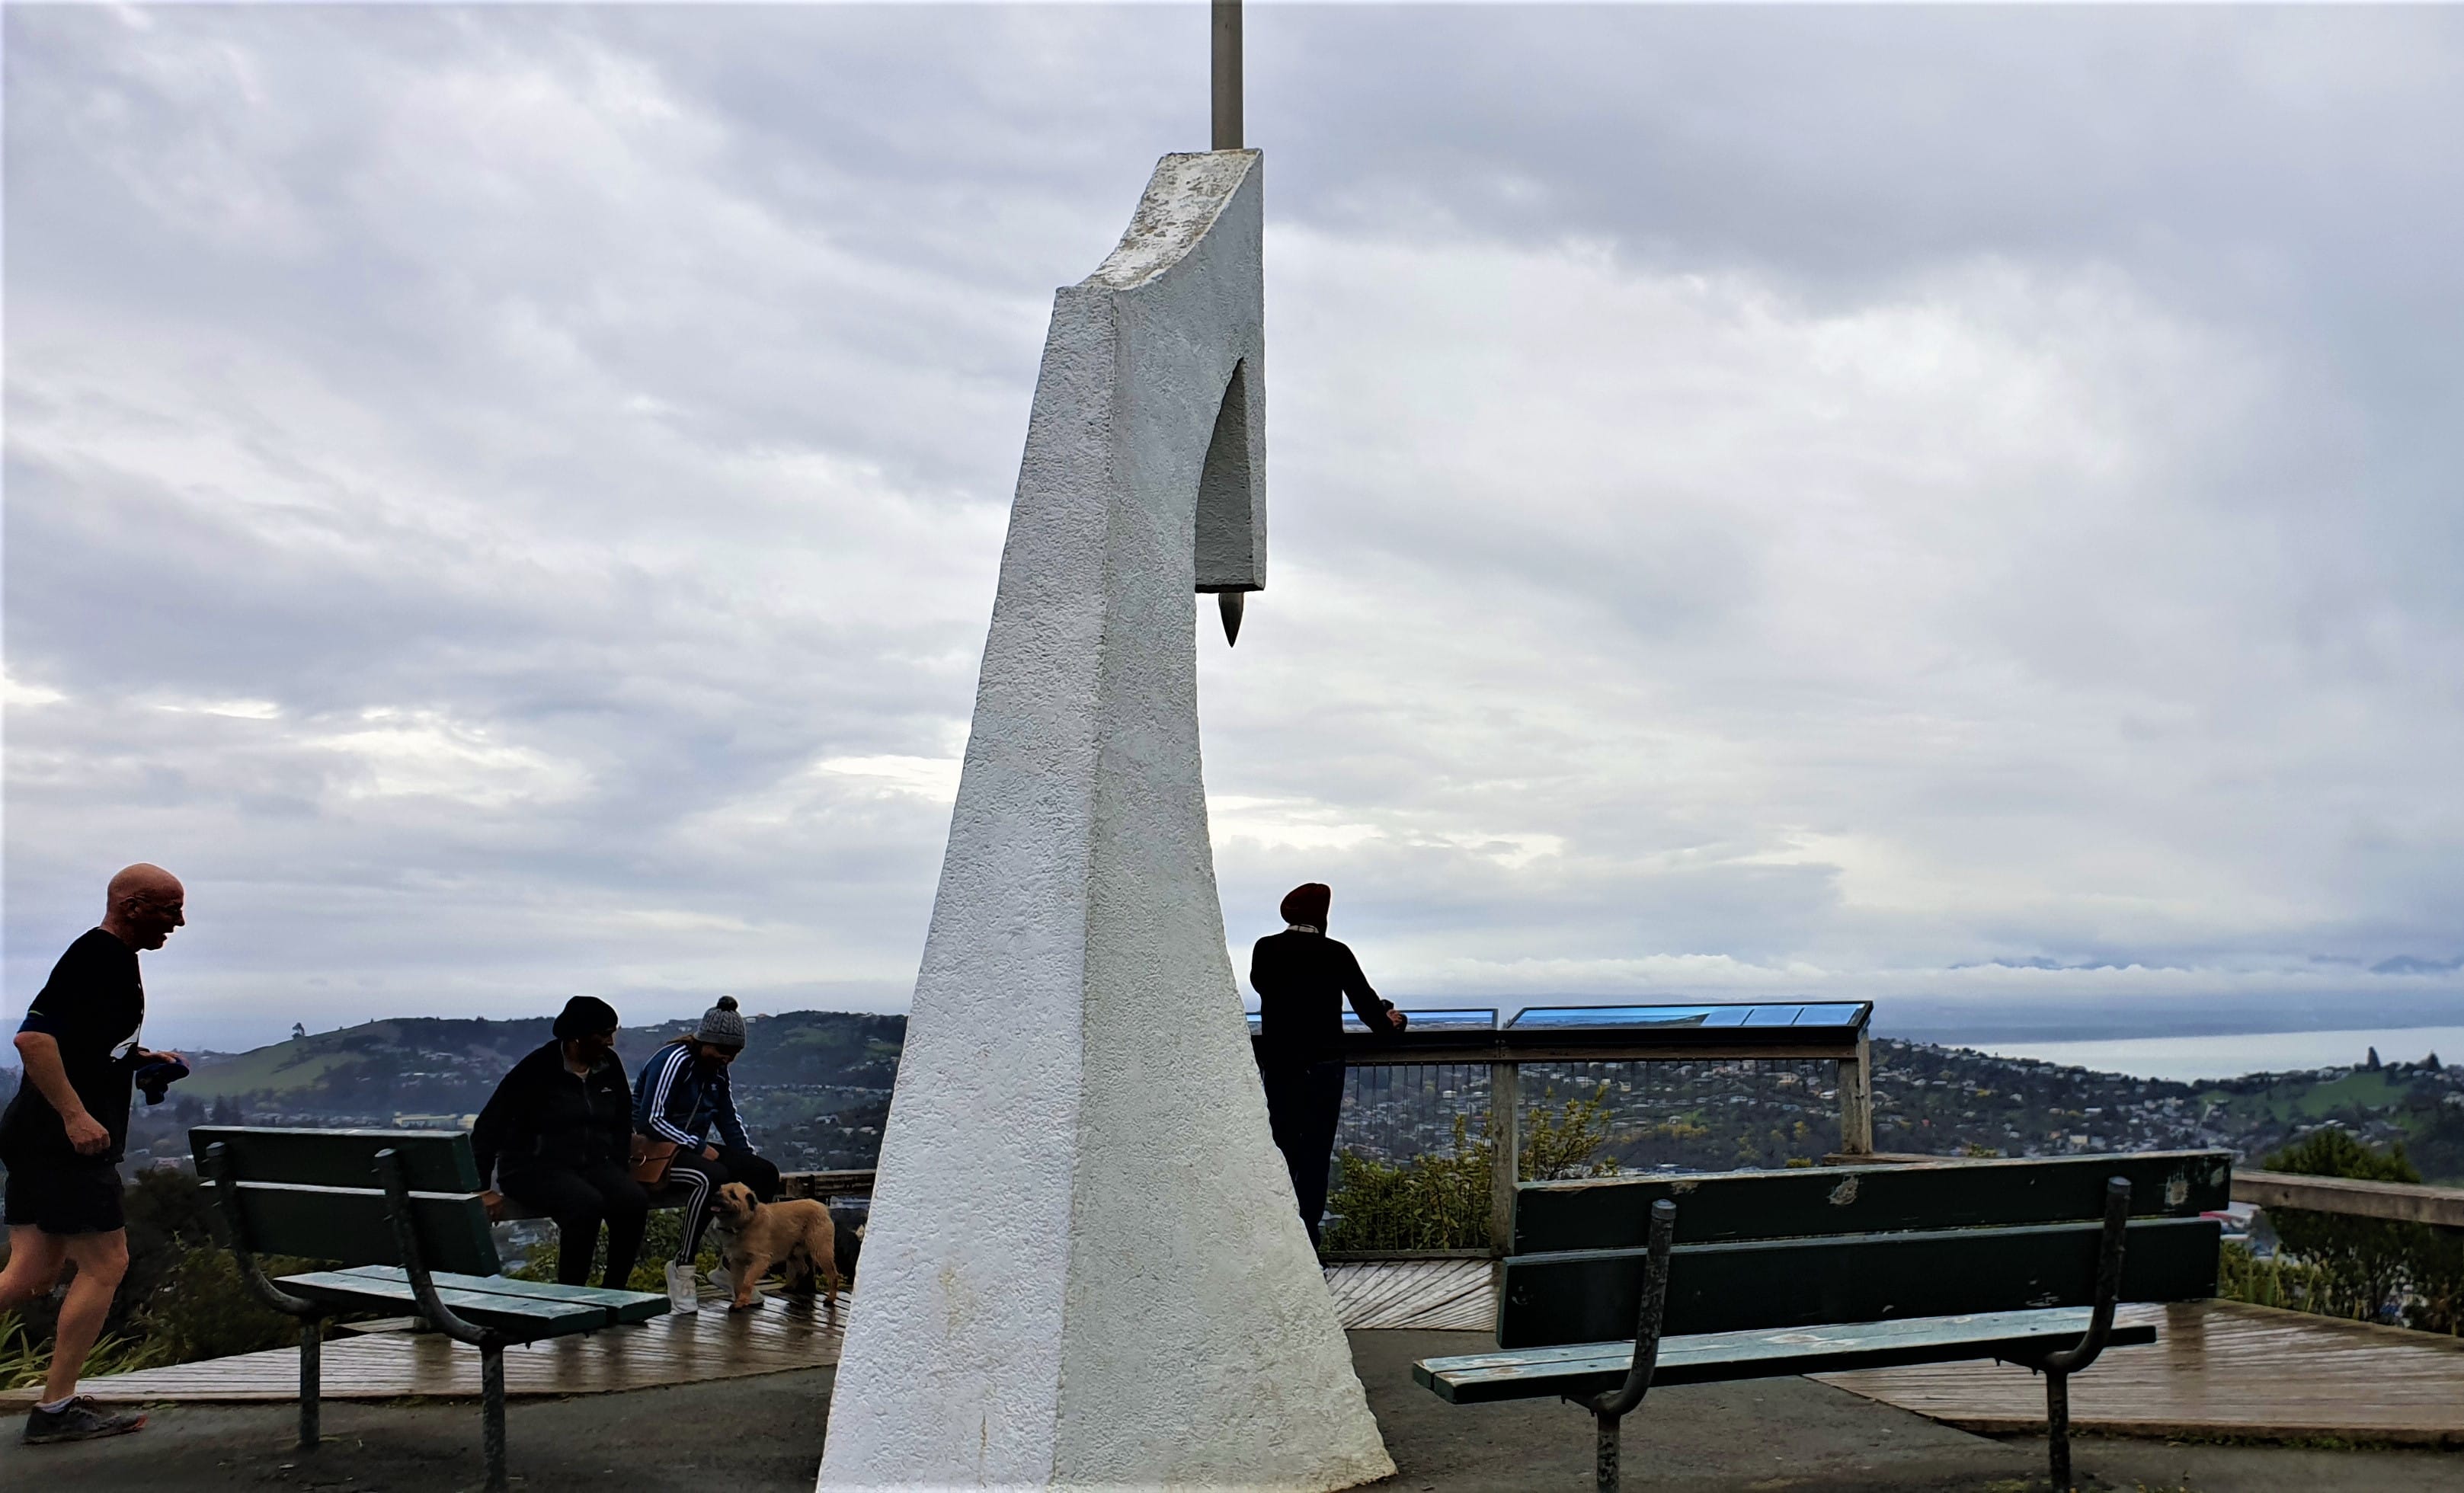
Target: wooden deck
2217 1369
1456 1294
712 1343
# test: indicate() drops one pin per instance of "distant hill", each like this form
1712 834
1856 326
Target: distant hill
444 1065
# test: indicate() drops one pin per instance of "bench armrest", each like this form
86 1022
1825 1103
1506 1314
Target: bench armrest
423 1287
230 1222
1647 1318
2108 1284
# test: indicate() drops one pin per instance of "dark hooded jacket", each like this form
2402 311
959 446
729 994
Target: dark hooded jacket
543 1117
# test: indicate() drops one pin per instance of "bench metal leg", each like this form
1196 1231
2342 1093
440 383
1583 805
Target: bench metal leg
1606 1471
1612 1406
311 1355
2058 1426
491 1413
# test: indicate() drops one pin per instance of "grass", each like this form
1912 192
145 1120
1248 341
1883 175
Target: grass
2362 1088
276 1069
22 1361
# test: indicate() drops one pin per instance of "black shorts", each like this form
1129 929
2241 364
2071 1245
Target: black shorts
79 1197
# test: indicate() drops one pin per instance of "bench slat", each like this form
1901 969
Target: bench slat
1608 1212
352 1227
628 1306
1719 1357
1591 1296
434 1161
512 1315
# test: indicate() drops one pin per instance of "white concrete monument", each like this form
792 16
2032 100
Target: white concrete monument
1085 1268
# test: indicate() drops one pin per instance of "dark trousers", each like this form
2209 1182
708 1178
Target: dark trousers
703 1177
579 1198
1303 1101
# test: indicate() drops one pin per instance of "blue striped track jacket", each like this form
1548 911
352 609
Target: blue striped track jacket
678 1100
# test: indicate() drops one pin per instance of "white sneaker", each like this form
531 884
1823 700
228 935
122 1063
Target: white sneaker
681 1295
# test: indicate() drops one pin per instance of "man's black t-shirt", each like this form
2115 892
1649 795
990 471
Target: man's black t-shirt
92 1006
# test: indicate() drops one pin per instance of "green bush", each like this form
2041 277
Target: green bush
2339 1265
1441 1201
204 1311
660 1241
25 1358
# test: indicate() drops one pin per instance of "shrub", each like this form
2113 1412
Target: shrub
2344 1266
25 1359
660 1240
1441 1201
203 1309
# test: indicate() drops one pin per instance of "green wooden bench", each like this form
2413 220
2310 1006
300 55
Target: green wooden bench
1614 1284
399 1210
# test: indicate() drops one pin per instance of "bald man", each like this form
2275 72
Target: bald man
63 1134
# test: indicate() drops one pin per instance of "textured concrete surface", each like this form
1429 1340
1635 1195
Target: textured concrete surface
1084 1265
764 1436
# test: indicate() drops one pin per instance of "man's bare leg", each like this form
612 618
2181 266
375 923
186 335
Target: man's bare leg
100 1261
34 1261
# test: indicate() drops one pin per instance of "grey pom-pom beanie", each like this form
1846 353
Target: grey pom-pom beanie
722 1028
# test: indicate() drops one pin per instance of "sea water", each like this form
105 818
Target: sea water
2192 1059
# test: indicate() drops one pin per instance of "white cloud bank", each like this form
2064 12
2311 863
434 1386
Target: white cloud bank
1957 508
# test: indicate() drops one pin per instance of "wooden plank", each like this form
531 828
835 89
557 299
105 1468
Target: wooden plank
854 1183
680 1348
1505 1153
1420 1293
2404 1202
2223 1369
434 1161
352 1227
1720 1357
1591 1296
514 1315
1857 1099
1601 1213
625 1306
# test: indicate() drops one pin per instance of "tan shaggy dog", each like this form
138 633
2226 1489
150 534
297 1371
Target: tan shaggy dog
754 1235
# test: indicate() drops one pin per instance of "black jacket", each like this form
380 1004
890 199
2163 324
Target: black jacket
1302 981
543 1117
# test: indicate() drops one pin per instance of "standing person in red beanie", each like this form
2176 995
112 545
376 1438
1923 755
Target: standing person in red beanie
1303 978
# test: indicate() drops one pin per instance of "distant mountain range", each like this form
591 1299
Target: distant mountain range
451 1065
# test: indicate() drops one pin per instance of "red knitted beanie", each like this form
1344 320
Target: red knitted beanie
1307 904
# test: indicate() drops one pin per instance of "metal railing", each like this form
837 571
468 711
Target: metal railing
1448 1065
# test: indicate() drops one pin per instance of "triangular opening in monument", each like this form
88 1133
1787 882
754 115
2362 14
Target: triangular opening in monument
1226 537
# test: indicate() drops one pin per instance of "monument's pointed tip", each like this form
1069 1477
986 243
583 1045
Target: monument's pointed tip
1230 602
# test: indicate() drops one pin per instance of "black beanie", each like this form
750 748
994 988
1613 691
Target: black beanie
583 1015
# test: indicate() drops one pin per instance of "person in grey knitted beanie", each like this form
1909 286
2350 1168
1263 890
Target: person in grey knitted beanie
721 1027
684 1104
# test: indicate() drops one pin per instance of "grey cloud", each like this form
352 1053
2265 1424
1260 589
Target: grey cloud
507 499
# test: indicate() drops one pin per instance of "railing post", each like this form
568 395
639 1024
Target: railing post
1857 1099
1505 1153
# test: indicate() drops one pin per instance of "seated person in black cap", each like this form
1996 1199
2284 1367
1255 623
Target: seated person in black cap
684 1097
560 1128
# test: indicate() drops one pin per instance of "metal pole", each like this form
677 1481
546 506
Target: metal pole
491 1413
2058 1427
1227 105
312 1348
1505 1138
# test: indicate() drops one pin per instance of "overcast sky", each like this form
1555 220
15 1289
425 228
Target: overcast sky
1956 506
